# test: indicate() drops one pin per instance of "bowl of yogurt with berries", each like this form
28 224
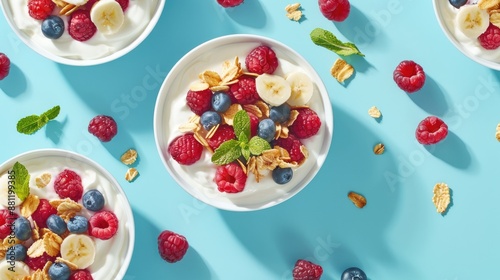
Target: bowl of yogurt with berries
243 122
62 215
82 32
473 26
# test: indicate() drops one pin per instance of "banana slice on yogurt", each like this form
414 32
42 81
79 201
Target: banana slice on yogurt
302 88
107 15
472 21
78 249
13 270
273 89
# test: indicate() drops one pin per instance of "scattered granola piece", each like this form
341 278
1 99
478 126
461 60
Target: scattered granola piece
341 70
52 243
43 180
293 12
374 112
198 86
495 17
497 134
488 4
441 198
379 149
29 205
129 157
131 174
357 199
36 249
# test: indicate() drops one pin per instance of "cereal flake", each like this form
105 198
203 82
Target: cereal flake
341 70
441 197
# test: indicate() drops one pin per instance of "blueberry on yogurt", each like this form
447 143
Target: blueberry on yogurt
458 3
53 27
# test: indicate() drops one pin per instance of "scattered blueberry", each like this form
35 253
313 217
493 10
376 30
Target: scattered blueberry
78 224
280 114
220 102
354 273
266 129
93 200
53 27
210 119
18 252
282 175
458 3
22 229
56 224
59 271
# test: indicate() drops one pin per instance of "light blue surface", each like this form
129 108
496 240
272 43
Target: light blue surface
398 235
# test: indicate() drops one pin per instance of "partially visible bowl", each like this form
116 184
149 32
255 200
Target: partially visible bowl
140 18
112 256
171 111
471 48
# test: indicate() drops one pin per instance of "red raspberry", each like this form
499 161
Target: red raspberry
81 274
222 134
306 125
7 218
490 39
40 9
230 178
336 10
199 101
292 145
244 91
229 3
38 262
261 60
4 66
409 76
172 246
185 149
42 213
254 124
103 225
306 270
123 4
69 184
103 127
80 27
431 130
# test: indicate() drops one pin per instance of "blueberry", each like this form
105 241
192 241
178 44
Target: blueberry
56 224
458 3
280 114
59 271
53 27
22 228
18 252
78 224
93 200
220 102
266 129
210 119
354 273
282 175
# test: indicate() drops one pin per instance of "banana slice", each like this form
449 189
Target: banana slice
4 192
472 21
302 88
13 270
107 15
273 89
78 249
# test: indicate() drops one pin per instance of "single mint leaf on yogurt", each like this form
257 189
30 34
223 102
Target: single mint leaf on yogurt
21 181
227 152
257 145
31 124
241 124
326 39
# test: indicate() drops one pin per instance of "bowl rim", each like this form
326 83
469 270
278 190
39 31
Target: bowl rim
87 62
456 43
32 154
235 38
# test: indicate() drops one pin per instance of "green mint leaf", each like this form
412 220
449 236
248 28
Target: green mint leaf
52 113
21 181
257 145
227 152
246 152
29 124
243 138
326 39
241 125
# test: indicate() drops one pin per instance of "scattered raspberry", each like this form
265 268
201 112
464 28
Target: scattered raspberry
4 66
306 270
103 225
123 4
172 246
81 274
42 213
244 91
185 149
199 101
222 134
229 3
230 178
69 184
292 145
261 60
490 39
80 27
254 124
409 76
7 218
306 125
38 262
336 10
103 127
40 9
431 130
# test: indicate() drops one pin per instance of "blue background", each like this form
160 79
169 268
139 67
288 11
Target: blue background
398 235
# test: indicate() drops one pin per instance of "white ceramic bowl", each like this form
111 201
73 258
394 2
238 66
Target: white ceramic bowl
171 111
112 256
140 18
445 14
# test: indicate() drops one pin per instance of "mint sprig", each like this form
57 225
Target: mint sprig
326 39
245 146
21 181
33 123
